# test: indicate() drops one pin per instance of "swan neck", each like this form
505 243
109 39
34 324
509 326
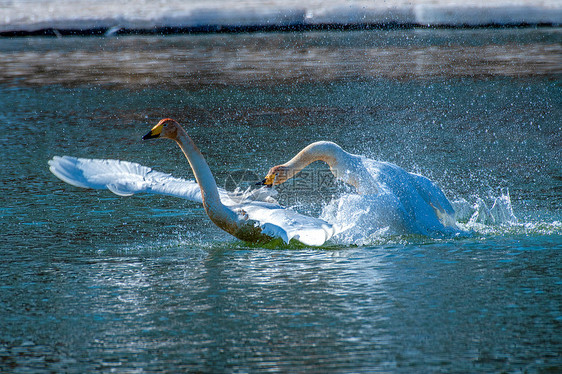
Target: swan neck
199 166
344 166
328 152
218 213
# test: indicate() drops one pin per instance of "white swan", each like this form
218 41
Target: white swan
254 220
391 197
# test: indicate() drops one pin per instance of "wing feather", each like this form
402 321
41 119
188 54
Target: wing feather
128 178
121 177
285 223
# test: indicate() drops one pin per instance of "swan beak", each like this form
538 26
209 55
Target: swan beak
268 181
155 132
262 183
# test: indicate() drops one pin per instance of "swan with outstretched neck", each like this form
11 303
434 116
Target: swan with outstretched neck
252 218
235 222
407 202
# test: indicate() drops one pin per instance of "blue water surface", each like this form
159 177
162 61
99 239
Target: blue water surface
91 281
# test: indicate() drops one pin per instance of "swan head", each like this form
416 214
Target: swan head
276 175
166 128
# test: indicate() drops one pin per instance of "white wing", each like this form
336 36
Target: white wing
436 198
121 177
127 178
285 223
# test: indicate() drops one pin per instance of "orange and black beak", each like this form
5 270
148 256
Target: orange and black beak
155 132
268 181
150 135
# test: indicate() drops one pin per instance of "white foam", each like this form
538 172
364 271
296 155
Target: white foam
366 220
489 210
494 215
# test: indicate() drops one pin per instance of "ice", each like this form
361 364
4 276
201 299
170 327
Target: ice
32 15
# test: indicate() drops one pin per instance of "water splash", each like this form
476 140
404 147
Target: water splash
363 223
494 215
485 212
359 219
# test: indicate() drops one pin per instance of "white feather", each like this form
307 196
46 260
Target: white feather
121 177
128 178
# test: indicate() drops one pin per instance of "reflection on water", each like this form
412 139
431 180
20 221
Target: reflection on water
281 58
94 282
459 307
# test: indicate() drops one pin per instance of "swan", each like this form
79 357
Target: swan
250 217
389 195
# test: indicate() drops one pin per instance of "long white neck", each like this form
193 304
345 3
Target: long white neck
217 212
328 152
343 165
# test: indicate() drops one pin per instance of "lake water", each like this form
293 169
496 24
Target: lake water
95 282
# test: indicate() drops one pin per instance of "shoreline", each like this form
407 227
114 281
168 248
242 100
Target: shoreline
106 18
217 29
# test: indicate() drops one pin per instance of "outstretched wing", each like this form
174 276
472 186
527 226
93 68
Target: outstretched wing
284 223
128 178
121 177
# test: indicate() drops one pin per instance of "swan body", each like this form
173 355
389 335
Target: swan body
249 218
389 197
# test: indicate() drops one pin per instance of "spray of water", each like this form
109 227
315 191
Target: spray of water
363 223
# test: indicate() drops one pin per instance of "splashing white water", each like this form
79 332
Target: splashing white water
493 214
368 219
363 220
485 213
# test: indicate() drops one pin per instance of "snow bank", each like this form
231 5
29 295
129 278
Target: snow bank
144 15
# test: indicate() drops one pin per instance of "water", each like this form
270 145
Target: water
95 282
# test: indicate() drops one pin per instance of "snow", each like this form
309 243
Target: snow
31 15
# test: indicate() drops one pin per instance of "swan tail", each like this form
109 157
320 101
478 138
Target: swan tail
123 178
